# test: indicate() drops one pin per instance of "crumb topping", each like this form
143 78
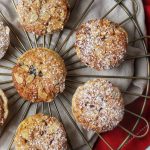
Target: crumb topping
43 16
101 44
4 39
40 74
100 103
41 132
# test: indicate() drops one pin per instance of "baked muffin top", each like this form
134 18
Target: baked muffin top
4 39
43 16
40 132
39 75
98 105
101 44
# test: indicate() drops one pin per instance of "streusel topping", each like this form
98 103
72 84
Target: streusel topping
39 75
43 16
98 105
4 39
41 132
101 44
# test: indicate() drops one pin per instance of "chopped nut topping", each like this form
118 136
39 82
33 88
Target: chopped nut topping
18 78
32 133
101 44
39 75
43 17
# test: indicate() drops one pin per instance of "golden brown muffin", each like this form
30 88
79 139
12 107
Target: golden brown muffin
3 107
98 105
101 44
43 16
4 39
40 132
39 75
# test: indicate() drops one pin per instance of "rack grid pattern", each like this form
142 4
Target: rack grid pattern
70 77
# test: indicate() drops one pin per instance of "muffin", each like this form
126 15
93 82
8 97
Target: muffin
43 16
98 105
39 75
3 108
101 44
4 39
40 132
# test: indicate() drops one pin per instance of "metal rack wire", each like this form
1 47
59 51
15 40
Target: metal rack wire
70 77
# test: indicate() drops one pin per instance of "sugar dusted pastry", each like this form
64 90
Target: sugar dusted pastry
39 75
4 39
98 105
40 132
101 44
43 16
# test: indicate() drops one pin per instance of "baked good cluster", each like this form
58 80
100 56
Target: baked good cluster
39 74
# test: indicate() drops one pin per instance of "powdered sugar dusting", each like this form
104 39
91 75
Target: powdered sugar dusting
101 105
43 16
41 132
4 39
101 44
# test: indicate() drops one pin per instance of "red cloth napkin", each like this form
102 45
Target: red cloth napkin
116 137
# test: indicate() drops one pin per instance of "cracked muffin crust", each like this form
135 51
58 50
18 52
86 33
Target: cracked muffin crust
3 107
98 105
101 44
43 16
4 39
40 132
39 75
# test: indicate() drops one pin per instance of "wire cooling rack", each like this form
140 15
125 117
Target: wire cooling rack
25 106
